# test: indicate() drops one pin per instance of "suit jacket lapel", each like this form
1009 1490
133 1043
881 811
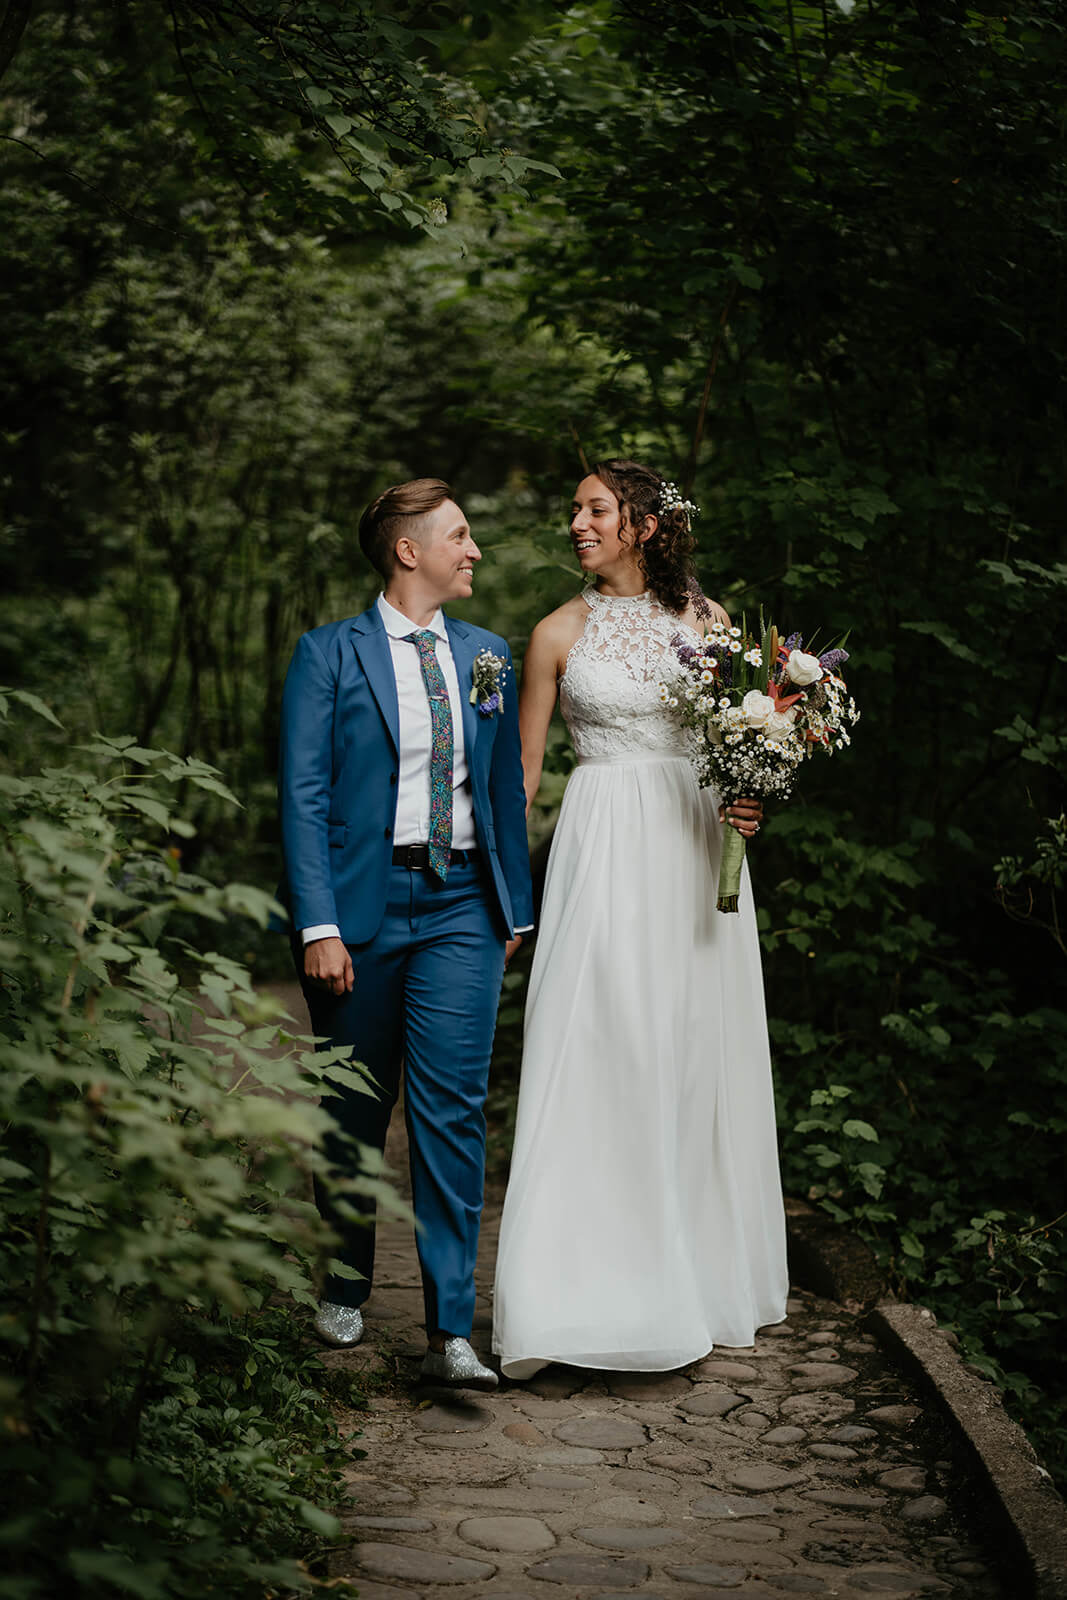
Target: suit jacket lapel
371 644
463 654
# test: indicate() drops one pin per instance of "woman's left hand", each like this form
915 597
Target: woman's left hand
744 815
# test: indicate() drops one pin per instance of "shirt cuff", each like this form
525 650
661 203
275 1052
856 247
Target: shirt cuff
528 929
321 930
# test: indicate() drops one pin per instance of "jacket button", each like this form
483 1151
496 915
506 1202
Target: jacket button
392 777
388 833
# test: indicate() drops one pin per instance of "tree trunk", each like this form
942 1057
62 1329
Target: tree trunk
12 27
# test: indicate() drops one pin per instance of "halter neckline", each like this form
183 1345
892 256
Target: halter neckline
593 597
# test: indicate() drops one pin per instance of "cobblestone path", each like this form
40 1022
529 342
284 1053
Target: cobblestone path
803 1465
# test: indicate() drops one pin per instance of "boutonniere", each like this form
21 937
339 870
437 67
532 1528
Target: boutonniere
487 683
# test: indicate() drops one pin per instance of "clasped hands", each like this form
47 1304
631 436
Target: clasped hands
744 815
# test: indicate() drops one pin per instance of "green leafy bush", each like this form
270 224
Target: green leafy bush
164 1430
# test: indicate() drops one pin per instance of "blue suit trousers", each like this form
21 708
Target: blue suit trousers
424 1001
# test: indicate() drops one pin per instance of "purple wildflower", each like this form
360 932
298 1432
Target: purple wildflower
487 707
794 642
833 659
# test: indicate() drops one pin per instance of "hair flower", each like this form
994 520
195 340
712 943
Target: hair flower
672 499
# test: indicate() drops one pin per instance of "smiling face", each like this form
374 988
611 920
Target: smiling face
441 555
597 532
602 538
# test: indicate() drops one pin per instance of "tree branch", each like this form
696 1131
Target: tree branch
578 443
709 378
50 161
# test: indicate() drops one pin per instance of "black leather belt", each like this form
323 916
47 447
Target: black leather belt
417 856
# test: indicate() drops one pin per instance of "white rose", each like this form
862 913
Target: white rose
803 669
757 708
779 724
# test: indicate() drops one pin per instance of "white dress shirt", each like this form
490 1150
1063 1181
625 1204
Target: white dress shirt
412 824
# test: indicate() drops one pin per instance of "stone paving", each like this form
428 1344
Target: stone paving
801 1465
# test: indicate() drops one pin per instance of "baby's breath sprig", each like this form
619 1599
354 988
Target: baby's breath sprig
672 499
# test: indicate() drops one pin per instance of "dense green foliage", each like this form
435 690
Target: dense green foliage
166 1430
806 258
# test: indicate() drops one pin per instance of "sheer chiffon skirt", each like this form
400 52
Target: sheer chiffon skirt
643 1222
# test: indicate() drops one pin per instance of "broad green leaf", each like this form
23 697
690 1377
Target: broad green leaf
946 637
214 786
148 806
484 166
35 703
320 1522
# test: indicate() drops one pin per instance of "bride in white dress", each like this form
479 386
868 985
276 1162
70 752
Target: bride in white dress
643 1223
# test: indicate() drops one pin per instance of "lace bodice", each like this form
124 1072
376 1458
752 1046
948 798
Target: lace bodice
609 692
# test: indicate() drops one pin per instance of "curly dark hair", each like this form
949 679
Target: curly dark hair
666 558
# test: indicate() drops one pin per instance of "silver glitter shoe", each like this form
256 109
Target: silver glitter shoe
339 1325
457 1367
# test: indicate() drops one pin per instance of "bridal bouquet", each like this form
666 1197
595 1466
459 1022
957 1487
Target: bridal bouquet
757 708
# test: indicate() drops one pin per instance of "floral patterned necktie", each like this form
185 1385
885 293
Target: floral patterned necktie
440 752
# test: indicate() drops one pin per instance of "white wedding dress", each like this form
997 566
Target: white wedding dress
643 1222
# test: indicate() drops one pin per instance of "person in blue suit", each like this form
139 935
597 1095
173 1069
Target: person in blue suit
407 878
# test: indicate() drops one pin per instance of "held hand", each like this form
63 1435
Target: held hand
329 966
510 949
744 815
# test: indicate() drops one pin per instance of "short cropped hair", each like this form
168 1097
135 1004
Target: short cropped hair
383 522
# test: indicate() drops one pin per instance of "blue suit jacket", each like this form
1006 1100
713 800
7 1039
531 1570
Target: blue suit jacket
337 782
